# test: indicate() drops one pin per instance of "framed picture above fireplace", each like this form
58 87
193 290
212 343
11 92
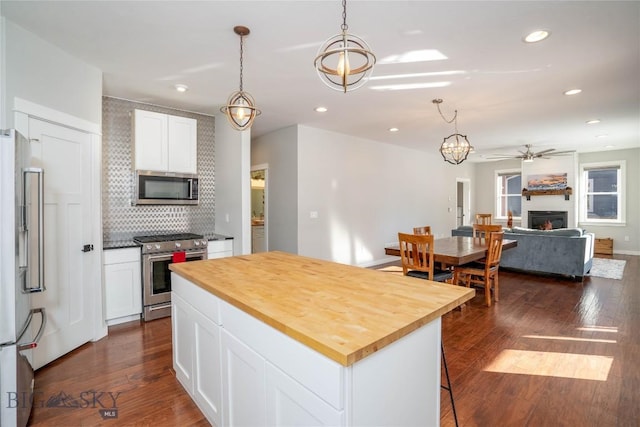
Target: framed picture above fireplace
548 181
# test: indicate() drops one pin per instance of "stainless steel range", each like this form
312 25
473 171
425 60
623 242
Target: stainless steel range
158 251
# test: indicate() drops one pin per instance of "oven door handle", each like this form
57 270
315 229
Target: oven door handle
169 255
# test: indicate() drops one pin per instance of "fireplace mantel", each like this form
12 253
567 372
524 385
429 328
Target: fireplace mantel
566 192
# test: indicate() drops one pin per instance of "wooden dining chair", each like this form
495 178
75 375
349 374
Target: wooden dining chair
481 232
486 273
483 218
425 229
416 253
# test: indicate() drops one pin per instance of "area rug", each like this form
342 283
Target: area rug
607 268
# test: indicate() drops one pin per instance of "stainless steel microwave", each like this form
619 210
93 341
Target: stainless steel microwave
165 188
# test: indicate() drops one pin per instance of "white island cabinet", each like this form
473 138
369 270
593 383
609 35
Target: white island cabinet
254 343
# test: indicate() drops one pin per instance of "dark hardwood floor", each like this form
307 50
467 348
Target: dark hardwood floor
552 352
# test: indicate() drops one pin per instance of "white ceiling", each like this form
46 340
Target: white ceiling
507 93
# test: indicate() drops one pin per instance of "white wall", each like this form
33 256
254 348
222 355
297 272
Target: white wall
41 73
279 150
233 184
365 192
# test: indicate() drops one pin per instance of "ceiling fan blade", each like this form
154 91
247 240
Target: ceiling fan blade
562 153
545 151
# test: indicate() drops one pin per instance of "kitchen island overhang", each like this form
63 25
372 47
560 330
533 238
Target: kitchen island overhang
339 315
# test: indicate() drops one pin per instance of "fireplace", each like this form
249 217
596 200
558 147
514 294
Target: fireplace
538 219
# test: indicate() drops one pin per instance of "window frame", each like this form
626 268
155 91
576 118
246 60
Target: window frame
620 165
499 195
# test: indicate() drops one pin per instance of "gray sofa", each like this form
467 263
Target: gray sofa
566 251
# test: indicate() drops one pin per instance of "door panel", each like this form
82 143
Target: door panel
65 156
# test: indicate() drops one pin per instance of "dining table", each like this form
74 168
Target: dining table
455 250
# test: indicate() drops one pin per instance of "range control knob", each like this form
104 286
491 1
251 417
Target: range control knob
178 244
205 242
158 246
148 247
196 242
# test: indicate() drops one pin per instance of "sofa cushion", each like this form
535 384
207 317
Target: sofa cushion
566 232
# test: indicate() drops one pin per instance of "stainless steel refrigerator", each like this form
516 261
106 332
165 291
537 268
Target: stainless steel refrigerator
21 274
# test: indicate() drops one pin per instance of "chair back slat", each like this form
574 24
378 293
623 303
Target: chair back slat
482 232
494 250
416 252
425 229
483 218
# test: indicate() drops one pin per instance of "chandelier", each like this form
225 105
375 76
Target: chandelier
455 148
345 61
241 107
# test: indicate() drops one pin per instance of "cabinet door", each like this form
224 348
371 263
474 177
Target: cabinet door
183 144
183 320
123 289
207 385
151 141
291 404
243 384
219 249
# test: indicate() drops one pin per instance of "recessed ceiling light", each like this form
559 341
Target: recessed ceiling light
573 92
393 129
604 135
536 36
593 122
609 146
181 88
321 109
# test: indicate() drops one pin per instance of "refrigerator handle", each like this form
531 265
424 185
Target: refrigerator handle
25 328
40 173
43 324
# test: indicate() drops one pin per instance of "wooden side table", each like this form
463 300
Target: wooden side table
604 246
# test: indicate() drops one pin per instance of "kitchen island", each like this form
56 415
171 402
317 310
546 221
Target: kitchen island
279 339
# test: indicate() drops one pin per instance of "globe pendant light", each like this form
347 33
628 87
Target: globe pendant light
241 107
456 150
345 61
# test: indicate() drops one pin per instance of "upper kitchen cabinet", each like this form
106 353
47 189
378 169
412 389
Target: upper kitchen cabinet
165 143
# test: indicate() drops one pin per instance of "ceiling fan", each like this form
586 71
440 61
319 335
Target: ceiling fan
529 155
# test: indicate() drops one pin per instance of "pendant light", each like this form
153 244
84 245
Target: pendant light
241 107
345 61
456 147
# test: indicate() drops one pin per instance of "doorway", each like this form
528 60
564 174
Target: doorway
463 201
259 222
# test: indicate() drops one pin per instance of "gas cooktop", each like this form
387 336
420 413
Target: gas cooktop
166 237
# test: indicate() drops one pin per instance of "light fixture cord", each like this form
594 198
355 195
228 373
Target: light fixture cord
454 119
344 25
241 55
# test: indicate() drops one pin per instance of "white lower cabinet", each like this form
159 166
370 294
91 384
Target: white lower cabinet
244 393
220 248
196 357
291 404
123 285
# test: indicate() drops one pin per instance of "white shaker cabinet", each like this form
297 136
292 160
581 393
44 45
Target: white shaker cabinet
196 356
220 248
165 143
123 285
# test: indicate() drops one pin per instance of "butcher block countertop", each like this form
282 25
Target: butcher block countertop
341 311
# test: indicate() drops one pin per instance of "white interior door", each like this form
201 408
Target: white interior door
65 156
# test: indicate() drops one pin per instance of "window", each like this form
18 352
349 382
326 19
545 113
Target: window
602 197
509 192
